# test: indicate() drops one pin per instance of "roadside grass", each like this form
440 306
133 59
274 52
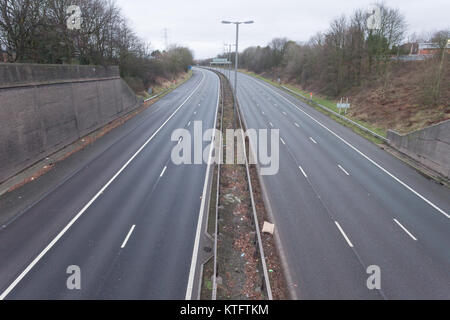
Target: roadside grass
162 90
328 104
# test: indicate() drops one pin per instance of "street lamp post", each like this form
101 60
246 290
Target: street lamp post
229 61
227 51
229 58
236 58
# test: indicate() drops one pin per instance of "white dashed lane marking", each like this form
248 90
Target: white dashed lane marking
124 243
343 233
303 171
406 230
340 167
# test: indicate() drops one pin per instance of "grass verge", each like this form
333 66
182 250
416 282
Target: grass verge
162 90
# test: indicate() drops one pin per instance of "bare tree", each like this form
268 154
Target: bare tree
338 59
442 39
36 31
18 22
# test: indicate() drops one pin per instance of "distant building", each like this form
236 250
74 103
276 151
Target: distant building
417 51
429 48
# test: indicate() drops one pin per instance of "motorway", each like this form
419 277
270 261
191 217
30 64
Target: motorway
341 204
129 218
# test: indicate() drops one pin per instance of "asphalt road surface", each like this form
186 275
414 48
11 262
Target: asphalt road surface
341 204
128 218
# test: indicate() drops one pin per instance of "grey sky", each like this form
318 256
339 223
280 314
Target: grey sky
196 24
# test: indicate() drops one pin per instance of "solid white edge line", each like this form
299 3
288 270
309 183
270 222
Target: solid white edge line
343 233
190 285
361 153
303 171
162 172
404 229
345 171
127 237
80 213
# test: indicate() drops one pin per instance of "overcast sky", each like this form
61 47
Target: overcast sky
196 23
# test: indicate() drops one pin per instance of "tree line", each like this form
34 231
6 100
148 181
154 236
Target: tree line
348 54
35 31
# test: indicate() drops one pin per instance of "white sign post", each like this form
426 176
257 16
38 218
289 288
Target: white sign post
342 105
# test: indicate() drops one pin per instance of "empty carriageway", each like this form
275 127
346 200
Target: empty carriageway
128 218
341 205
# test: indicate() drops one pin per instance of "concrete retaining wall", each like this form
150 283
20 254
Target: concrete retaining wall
430 146
46 107
26 74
